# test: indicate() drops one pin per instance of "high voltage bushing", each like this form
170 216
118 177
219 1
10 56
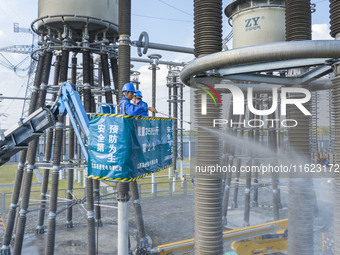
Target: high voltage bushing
208 195
298 27
335 17
207 27
336 104
298 20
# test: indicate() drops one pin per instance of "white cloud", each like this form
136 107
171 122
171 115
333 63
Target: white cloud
321 32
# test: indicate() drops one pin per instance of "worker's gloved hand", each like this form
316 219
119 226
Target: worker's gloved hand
152 109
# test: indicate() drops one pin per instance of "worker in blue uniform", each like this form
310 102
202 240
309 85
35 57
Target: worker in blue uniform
140 102
126 107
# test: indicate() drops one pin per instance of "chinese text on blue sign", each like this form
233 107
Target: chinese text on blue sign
125 148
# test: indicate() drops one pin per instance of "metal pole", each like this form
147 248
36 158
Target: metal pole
228 152
255 202
154 67
175 132
238 165
181 99
158 46
248 184
272 135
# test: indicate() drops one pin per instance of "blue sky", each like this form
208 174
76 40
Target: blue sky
166 21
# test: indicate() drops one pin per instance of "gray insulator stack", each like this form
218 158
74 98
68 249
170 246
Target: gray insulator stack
208 191
335 18
298 20
301 203
336 104
207 26
208 195
335 119
124 54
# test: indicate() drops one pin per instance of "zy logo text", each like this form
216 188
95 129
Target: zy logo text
253 22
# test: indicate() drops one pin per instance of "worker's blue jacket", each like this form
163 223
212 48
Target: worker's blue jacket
143 104
126 108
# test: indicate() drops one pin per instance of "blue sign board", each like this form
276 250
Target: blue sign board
126 148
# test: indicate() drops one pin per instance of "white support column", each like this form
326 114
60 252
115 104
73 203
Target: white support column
123 228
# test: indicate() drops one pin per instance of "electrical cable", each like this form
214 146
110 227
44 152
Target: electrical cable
174 7
151 17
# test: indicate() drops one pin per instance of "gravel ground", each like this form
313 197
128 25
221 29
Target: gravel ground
167 219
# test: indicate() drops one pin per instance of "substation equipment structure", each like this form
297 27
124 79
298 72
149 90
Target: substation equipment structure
94 31
272 46
68 30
